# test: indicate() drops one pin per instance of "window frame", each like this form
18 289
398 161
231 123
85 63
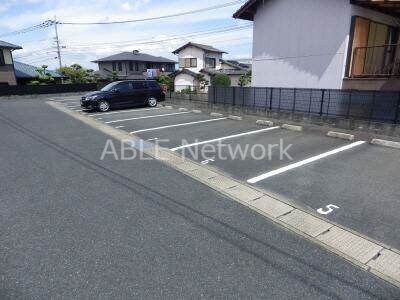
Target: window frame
114 66
119 66
213 59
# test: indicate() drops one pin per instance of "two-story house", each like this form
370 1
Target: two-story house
134 65
325 44
195 59
7 72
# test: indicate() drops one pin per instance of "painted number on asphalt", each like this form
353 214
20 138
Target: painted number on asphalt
206 162
329 209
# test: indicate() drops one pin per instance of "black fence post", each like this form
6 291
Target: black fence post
254 97
270 98
329 103
214 88
294 101
349 106
396 118
233 96
243 89
322 103
309 104
371 113
280 99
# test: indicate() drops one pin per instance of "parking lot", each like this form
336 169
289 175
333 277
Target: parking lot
352 183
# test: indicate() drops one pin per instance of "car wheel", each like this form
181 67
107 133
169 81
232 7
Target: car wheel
152 101
103 106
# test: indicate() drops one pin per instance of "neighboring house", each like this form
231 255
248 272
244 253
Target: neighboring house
195 59
26 73
134 65
7 74
333 44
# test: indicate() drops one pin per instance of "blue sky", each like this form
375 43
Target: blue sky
84 44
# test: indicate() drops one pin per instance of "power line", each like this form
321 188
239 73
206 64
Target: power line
157 18
42 25
153 42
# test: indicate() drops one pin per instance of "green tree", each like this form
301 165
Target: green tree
44 77
77 74
166 81
221 80
203 82
113 76
245 79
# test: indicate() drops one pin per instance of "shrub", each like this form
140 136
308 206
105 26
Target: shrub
221 80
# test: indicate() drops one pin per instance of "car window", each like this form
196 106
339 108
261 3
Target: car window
153 84
138 85
124 87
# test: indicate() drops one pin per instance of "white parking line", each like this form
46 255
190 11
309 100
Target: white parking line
146 117
177 125
224 138
73 106
304 162
118 127
122 111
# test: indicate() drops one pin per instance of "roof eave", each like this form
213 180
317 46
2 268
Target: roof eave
247 11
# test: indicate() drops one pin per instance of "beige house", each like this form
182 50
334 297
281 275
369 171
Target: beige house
195 59
7 72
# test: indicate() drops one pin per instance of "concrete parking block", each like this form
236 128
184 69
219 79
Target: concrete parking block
196 111
341 135
187 166
216 115
166 156
203 173
350 244
244 193
183 109
387 263
385 143
222 182
292 127
265 123
271 206
306 223
236 118
168 107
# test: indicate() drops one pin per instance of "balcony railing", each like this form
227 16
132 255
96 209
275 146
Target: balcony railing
376 61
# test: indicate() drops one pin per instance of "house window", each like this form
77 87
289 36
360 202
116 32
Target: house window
131 66
136 66
114 66
188 63
120 66
373 48
210 62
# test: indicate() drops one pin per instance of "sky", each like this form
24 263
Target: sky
83 44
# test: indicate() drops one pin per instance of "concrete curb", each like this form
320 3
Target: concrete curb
196 111
214 114
237 118
341 135
385 143
183 109
265 123
370 255
292 127
168 107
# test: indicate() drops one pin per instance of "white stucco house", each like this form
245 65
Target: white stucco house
325 44
195 59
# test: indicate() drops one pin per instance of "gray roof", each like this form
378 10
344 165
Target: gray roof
130 56
200 46
237 65
183 71
227 72
27 71
9 46
247 11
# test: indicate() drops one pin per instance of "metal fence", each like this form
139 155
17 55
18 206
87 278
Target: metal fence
381 106
46 89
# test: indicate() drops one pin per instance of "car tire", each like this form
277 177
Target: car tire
103 106
152 101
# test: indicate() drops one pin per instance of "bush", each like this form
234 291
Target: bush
221 80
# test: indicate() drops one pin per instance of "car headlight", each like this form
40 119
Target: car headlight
92 98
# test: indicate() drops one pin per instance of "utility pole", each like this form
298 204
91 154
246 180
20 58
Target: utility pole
57 42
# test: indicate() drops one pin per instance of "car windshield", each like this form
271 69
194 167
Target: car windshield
109 87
